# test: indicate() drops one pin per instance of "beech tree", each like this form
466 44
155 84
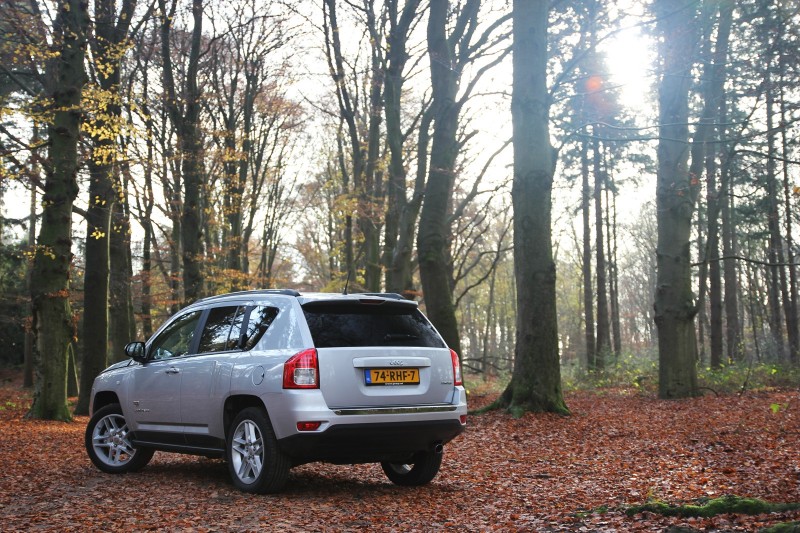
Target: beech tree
401 212
183 108
454 42
53 321
361 142
676 195
536 382
107 42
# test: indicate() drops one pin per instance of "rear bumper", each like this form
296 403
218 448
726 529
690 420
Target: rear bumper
370 443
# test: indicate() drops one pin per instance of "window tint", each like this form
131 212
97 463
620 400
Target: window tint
261 318
176 339
340 325
218 330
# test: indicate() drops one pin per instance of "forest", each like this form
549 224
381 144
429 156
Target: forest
594 202
596 191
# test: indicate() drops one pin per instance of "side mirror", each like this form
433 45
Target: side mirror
136 351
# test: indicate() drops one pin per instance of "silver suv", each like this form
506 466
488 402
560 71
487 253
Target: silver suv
271 379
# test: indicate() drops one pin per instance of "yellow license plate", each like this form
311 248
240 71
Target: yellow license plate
391 376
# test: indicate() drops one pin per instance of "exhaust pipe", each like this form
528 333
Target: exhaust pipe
438 448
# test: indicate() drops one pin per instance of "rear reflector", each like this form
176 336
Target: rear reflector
308 426
463 419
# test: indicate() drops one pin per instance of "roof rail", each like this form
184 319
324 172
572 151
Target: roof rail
256 292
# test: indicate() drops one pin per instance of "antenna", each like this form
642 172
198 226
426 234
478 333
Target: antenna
347 281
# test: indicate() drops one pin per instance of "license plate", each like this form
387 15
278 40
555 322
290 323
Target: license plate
391 376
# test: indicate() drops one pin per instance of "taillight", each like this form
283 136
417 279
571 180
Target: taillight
456 368
301 371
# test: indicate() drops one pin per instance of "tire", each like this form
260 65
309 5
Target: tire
254 461
420 472
107 443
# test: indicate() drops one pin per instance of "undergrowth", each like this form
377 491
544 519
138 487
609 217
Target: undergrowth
641 374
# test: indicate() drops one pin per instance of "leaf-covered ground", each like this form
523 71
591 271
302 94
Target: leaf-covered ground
537 473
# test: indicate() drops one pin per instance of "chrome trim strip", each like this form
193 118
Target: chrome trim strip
397 410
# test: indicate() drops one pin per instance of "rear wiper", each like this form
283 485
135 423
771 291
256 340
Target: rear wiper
399 337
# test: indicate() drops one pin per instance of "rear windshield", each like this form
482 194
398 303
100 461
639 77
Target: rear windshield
351 325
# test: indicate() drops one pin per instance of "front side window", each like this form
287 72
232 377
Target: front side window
222 329
176 339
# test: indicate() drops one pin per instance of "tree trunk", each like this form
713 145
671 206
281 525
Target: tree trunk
536 381
123 325
733 335
176 246
588 293
396 57
704 151
147 277
702 293
733 330
193 174
714 271
777 279
603 326
73 388
371 194
147 223
488 332
675 200
108 36
433 237
755 312
613 274
53 322
402 270
186 121
233 192
96 275
360 149
790 305
27 373
239 106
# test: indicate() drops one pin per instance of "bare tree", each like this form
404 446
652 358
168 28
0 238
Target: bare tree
450 51
184 109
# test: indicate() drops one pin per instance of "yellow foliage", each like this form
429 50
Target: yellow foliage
39 249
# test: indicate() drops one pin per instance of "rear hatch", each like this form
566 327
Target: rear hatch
376 352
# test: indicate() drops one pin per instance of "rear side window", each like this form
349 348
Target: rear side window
354 325
261 317
222 329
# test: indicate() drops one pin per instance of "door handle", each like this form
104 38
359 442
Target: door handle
172 370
